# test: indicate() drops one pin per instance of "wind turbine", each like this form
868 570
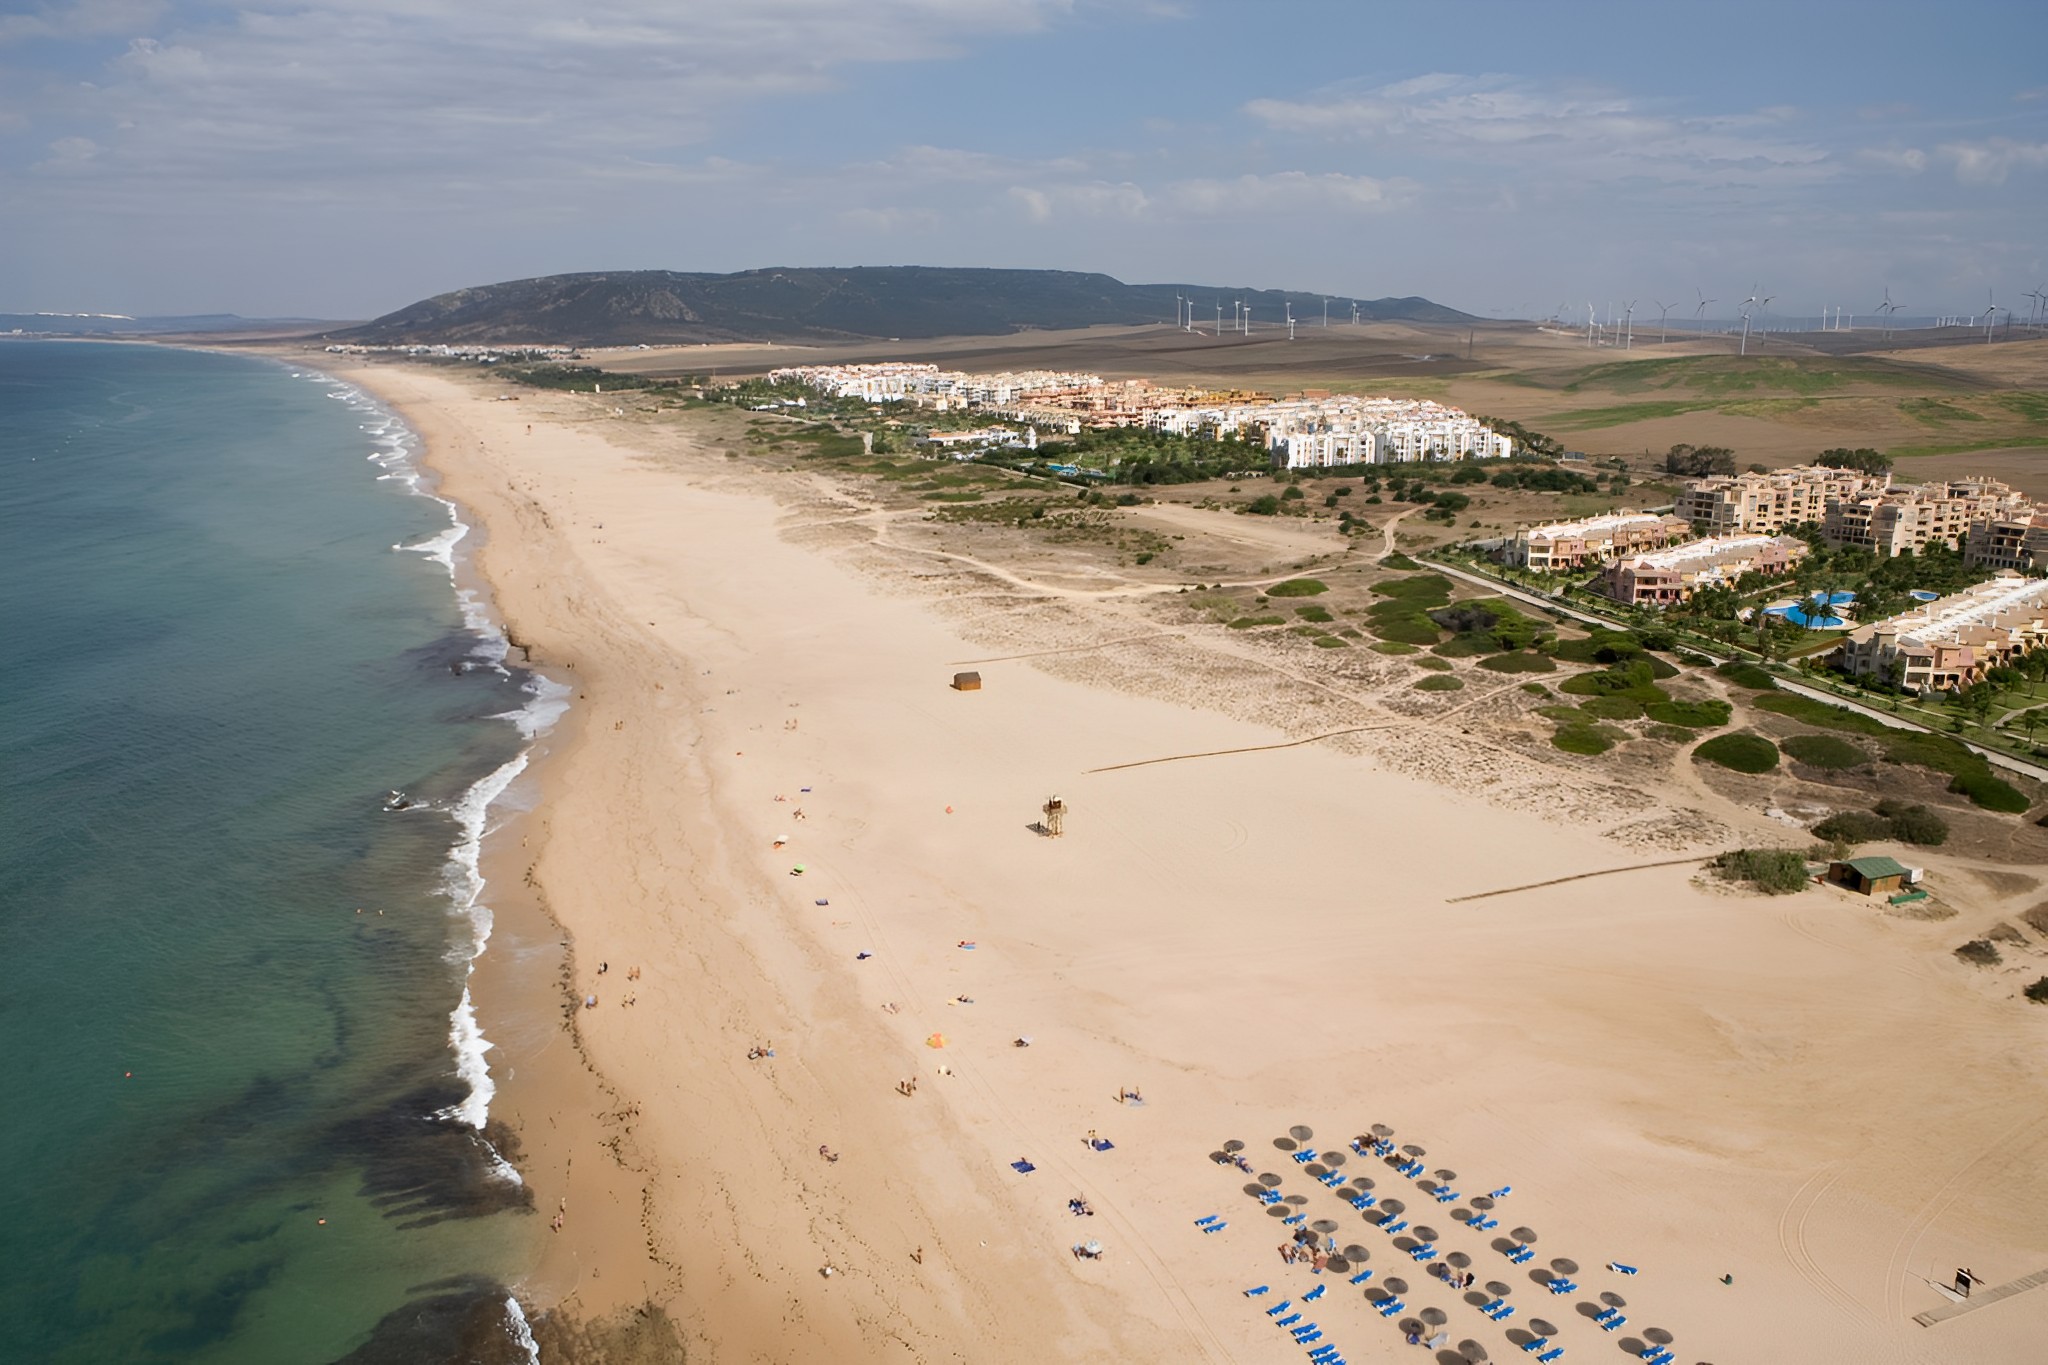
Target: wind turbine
1888 308
1991 312
1589 322
1663 309
1630 344
1763 305
1748 305
1701 311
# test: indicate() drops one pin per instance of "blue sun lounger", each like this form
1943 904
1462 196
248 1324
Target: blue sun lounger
1616 1321
1215 1227
1315 1293
1360 1278
1660 1356
1619 1268
1102 1144
1257 1290
1489 1307
1535 1344
1323 1354
1552 1354
1281 1307
1304 1338
1205 1221
1425 1252
1562 1287
1022 1167
1521 1255
1296 1218
1502 1313
1446 1195
1396 1225
1501 1193
1389 1307
1305 1333
1332 1178
1269 1196
1483 1223
1304 1156
1289 1320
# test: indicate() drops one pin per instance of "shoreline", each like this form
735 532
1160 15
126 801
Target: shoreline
1238 952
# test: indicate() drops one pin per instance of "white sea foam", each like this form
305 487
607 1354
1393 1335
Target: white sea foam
393 449
521 1331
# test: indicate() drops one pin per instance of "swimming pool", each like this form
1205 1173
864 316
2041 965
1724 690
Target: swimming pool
1820 618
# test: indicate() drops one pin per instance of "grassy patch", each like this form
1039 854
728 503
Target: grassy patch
1314 613
1694 715
1519 663
1434 665
1248 622
1536 689
1823 715
1671 734
1432 590
1397 560
1825 752
1989 791
1583 739
1744 753
1332 642
1747 675
1393 647
1466 647
1298 587
1439 682
1612 708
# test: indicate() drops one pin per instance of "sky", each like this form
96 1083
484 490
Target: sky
342 158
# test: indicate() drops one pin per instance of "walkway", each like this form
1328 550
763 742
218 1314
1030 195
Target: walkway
1982 1298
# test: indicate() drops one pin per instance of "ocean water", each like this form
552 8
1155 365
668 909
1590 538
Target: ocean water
247 1104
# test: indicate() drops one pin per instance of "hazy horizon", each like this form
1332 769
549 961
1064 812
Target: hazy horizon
342 160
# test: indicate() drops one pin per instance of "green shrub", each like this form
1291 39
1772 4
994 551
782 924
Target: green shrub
1774 871
1536 689
1980 952
1823 715
1612 708
1671 734
1332 642
1582 739
1466 646
1744 752
1397 560
1853 827
1692 660
1298 587
1421 590
1914 824
1992 793
1439 682
1696 715
1264 506
1631 679
1393 647
1247 622
1434 665
1824 752
1314 613
1600 647
1404 627
2038 992
1519 663
1745 674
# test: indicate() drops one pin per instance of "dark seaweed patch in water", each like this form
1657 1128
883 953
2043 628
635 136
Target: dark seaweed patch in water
461 1320
423 1169
209 1313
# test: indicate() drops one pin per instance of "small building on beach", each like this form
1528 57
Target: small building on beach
1874 876
967 682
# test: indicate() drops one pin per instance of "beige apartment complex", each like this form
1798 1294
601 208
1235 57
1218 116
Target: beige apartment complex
2017 540
1563 545
1949 643
1765 504
1667 576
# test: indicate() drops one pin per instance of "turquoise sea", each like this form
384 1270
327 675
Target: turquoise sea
246 1100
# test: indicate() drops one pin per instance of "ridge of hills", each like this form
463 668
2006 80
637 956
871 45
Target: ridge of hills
629 307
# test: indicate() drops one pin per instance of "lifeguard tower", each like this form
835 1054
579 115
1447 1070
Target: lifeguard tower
1055 821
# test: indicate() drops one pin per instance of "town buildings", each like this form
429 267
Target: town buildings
1663 577
1863 511
1565 545
1949 643
1315 429
2016 540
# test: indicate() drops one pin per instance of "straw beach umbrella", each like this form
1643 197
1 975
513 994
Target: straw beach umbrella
1523 1234
1472 1351
1542 1328
1233 1146
1613 1300
1301 1132
1565 1266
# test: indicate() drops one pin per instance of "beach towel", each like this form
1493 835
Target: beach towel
1022 1167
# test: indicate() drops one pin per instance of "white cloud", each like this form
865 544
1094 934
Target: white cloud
1288 192
1991 161
1908 159
79 19
1590 132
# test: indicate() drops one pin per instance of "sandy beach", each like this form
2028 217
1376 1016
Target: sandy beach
776 825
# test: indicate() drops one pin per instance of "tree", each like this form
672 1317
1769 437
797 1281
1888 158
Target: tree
1699 461
1863 460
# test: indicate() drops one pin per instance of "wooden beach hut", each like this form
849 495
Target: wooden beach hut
967 682
1875 876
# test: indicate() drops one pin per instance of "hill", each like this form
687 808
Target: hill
612 308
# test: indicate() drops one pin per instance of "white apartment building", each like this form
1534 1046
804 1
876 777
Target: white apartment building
1950 643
